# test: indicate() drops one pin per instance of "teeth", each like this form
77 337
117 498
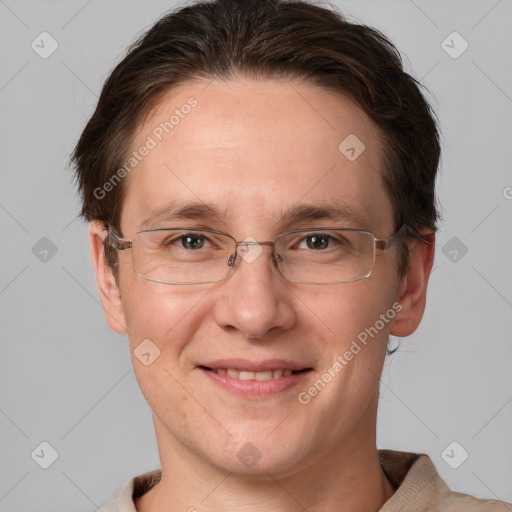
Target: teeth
244 375
267 375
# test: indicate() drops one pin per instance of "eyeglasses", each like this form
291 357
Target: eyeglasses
197 255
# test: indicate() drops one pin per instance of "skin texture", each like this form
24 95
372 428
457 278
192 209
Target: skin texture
256 149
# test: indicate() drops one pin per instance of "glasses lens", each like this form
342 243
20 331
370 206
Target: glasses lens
181 256
326 256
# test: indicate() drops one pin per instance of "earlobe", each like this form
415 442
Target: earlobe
107 287
413 287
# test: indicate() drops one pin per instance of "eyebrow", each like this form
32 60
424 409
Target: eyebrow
178 210
333 211
300 213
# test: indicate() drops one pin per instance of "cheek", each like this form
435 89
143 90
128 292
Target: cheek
346 310
355 335
167 319
161 321
159 312
149 308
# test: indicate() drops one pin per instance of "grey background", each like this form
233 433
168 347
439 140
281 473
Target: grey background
66 379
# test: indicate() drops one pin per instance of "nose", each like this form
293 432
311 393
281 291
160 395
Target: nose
255 299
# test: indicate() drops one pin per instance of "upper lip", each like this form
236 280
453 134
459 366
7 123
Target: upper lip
255 366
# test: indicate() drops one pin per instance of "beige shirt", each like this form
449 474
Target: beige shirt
419 488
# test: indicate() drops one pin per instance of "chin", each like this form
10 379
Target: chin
258 455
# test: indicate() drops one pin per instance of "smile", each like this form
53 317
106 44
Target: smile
248 375
255 384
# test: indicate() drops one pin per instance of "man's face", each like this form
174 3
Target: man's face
254 151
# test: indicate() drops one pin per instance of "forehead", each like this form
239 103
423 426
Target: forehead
255 150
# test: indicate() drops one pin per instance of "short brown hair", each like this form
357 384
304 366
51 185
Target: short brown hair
267 39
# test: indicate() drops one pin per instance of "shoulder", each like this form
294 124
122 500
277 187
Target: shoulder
133 488
457 502
419 488
111 506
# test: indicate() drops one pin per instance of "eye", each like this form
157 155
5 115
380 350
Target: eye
316 241
190 241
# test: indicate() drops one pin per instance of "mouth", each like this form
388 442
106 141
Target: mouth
251 379
269 374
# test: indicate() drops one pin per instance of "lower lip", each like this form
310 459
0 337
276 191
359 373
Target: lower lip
256 388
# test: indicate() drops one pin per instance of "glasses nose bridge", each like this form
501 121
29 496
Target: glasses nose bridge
233 257
254 242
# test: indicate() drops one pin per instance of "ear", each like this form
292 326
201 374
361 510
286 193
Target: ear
412 290
107 286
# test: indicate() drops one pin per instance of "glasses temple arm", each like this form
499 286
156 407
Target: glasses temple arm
118 243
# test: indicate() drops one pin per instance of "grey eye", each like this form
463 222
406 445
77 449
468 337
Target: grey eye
192 241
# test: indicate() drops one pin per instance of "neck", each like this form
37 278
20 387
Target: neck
349 479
